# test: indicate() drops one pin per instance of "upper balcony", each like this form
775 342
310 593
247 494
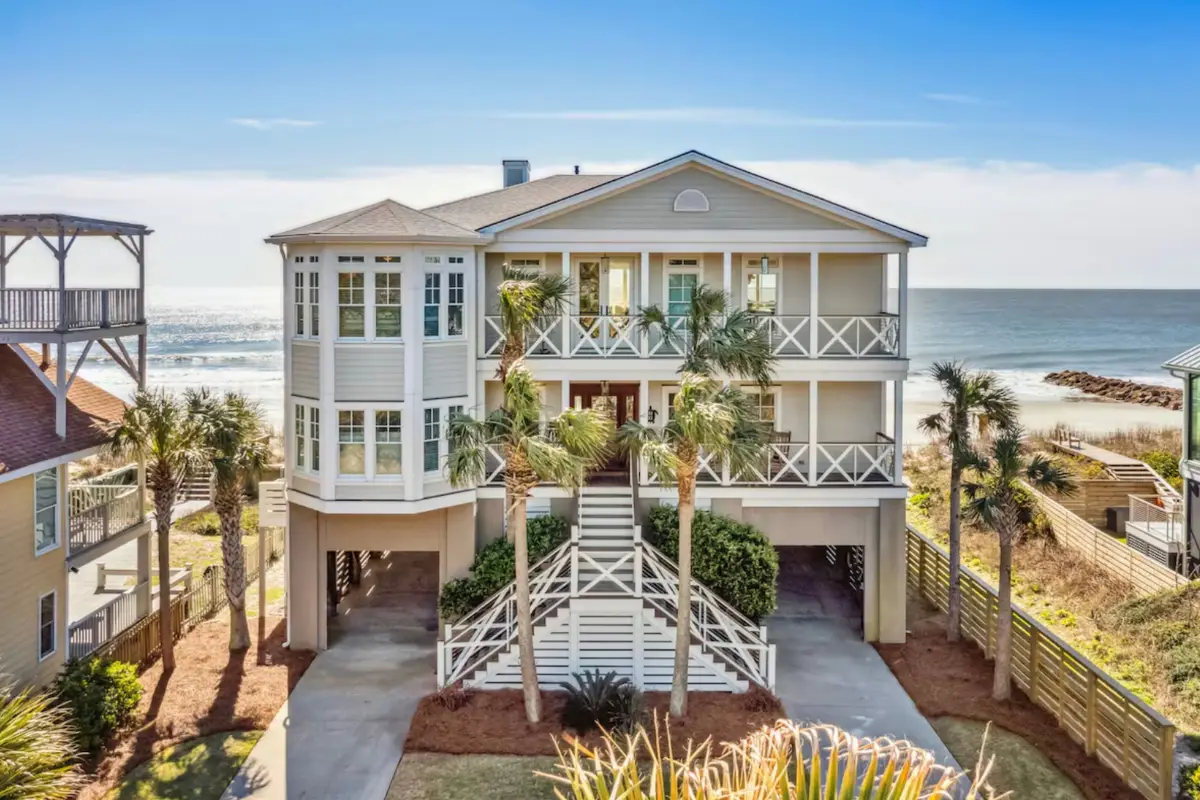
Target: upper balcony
64 310
103 508
808 305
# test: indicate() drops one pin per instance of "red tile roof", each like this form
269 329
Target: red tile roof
27 414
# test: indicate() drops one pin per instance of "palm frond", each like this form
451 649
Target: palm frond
586 433
552 462
468 441
527 297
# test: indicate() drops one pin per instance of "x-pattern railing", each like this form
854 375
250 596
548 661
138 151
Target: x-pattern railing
605 335
856 464
784 463
494 463
787 335
859 336
543 338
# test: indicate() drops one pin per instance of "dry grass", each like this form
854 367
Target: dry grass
1066 592
210 691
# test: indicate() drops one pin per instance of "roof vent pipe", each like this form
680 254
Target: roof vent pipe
515 172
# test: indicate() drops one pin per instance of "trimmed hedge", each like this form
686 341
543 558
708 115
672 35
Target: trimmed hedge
735 560
102 696
496 566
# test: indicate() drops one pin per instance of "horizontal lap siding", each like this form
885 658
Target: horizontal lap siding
306 370
1128 736
731 205
365 373
445 368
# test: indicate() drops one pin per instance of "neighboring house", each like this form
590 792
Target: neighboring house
1187 366
53 526
390 330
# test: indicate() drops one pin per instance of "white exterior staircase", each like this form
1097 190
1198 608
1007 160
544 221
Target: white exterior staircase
606 600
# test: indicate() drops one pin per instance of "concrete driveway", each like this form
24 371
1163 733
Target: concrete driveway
825 672
341 733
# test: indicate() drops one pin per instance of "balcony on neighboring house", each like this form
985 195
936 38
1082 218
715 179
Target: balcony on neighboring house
63 310
1155 527
102 508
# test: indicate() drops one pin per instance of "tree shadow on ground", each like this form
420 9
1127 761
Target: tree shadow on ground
199 768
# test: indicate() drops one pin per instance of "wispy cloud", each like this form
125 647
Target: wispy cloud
267 124
960 99
713 116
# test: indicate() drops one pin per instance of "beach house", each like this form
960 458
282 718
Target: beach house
58 525
1186 519
390 330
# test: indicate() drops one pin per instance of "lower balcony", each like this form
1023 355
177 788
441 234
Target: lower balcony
102 508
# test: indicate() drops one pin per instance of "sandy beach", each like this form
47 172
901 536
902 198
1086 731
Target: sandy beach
1084 416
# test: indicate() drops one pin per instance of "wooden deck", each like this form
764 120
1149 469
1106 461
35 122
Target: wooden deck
1105 457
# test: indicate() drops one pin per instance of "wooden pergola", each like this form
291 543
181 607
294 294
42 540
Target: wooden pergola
59 315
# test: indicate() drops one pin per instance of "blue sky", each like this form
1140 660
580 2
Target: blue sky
125 85
1037 144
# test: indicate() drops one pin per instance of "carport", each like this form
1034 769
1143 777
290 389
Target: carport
822 582
389 593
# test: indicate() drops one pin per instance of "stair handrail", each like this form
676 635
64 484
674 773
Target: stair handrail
723 631
471 641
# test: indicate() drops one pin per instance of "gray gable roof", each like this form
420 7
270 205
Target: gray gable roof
386 219
485 209
1187 361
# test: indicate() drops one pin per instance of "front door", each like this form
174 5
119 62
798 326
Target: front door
617 401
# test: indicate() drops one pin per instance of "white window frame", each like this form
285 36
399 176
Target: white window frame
53 623
534 261
314 303
696 269
370 473
366 305
372 329
299 303
366 446
754 266
309 430
440 439
776 392
665 412
373 471
58 517
443 265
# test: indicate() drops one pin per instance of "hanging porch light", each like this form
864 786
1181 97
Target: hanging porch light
765 264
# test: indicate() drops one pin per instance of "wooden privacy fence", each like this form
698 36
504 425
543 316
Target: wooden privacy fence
140 641
1128 736
1146 575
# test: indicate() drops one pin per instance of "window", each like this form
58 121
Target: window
455 298
299 299
387 259
308 438
352 449
766 404
526 263
350 259
762 292
301 442
670 404
433 438
681 286
388 438
387 305
433 302
454 411
351 304
454 260
314 435
314 259
299 259
47 625
314 302
45 510
433 259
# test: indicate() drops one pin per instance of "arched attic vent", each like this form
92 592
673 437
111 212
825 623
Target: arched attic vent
691 201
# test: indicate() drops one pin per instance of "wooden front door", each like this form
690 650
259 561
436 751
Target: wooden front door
619 401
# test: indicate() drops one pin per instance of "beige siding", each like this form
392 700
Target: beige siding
850 283
732 205
369 491
24 578
813 526
369 372
310 486
445 368
306 369
849 412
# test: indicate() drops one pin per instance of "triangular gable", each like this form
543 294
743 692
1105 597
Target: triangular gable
740 199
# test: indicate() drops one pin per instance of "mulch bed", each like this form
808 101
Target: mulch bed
210 691
954 679
493 722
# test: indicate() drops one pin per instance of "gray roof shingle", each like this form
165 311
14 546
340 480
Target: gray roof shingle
485 209
386 218
1188 361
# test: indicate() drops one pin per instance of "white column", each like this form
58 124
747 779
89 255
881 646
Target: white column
727 273
644 418
413 420
898 430
329 333
289 423
566 320
141 259
813 389
902 306
871 567
60 389
814 269
565 397
644 298
474 328
480 299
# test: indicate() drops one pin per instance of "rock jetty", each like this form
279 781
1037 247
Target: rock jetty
1145 394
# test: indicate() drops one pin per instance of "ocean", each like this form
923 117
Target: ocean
233 339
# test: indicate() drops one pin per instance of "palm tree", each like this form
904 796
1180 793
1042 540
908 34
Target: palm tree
968 398
561 452
527 299
233 429
997 500
707 415
39 758
159 432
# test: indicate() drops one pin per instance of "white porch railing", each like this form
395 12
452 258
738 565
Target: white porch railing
853 336
787 334
856 463
67 309
791 464
605 335
785 464
543 341
1157 517
97 512
89 632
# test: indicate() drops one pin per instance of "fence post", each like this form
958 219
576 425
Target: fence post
1089 739
1035 645
1125 741
1166 764
921 568
993 613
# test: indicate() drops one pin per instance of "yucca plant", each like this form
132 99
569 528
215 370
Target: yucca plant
38 756
786 762
607 701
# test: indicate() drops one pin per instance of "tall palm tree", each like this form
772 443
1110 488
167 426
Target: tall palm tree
968 398
527 299
158 431
561 451
39 758
717 342
994 500
233 428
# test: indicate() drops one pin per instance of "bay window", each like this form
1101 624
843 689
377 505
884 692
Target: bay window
432 439
387 305
352 451
351 305
388 442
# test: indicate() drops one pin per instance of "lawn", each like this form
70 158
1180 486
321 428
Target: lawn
434 776
1019 767
199 769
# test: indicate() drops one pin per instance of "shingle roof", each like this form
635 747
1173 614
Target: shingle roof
485 209
386 218
27 415
1188 361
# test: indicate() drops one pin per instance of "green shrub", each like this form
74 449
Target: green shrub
735 560
102 696
921 501
1189 782
1164 462
495 566
207 523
